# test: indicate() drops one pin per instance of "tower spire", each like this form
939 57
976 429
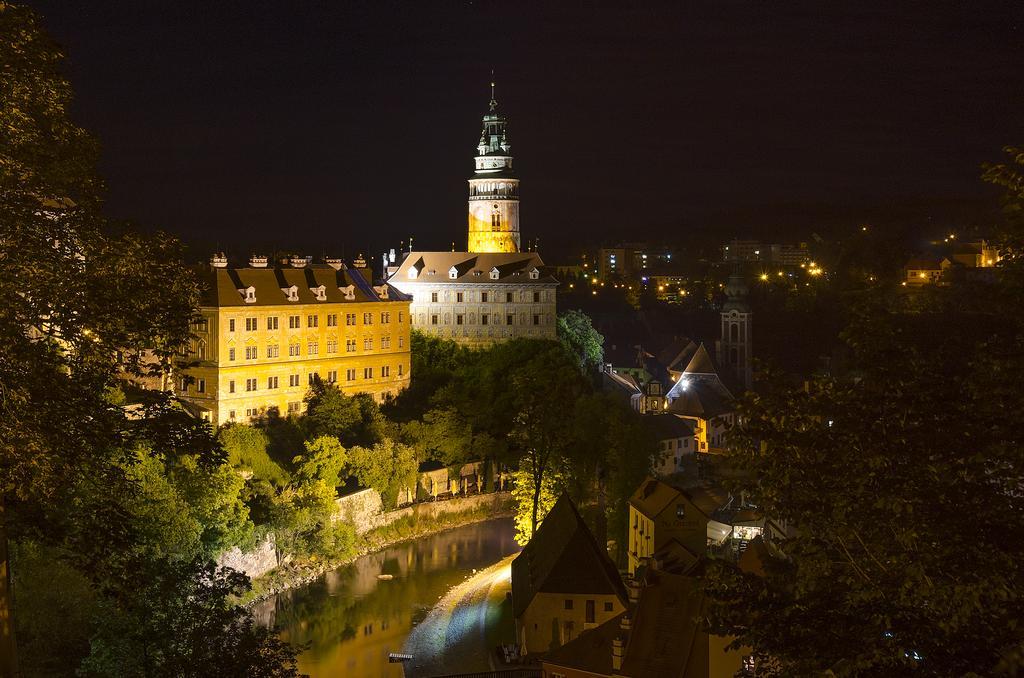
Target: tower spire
494 102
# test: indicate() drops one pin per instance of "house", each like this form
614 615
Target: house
660 637
563 582
676 442
660 513
925 269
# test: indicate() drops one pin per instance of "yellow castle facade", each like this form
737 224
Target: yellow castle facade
267 332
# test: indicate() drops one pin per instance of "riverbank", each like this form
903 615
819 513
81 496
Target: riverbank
460 632
410 523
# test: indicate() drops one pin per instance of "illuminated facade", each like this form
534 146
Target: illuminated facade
493 189
267 332
478 299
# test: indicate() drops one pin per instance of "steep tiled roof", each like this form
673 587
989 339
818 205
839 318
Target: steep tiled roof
563 557
653 496
697 399
700 363
667 640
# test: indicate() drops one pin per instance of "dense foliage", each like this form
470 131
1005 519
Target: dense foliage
123 508
903 480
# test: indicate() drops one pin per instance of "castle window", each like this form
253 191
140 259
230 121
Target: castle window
385 371
231 325
231 386
484 318
433 299
458 319
495 219
734 332
508 297
459 297
536 297
494 275
272 322
510 319
483 297
534 274
453 273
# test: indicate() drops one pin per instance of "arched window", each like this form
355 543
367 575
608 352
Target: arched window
734 332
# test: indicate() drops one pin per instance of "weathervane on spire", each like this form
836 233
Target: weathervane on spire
494 102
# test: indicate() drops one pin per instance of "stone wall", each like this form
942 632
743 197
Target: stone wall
362 509
254 563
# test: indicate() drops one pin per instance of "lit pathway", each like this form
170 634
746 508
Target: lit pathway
460 633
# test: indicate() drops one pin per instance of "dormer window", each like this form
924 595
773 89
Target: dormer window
413 273
381 291
534 273
249 294
453 273
494 273
292 293
349 292
319 292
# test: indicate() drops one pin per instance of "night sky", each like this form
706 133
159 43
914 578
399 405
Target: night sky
346 127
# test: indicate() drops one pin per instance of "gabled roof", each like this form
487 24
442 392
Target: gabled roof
667 640
677 354
624 382
668 426
927 263
563 557
471 267
700 363
653 496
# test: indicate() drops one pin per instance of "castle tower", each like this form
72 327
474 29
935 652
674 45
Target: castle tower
493 189
736 347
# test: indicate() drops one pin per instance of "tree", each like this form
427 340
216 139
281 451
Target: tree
577 335
904 485
246 448
175 619
83 300
542 390
387 467
329 411
533 501
324 459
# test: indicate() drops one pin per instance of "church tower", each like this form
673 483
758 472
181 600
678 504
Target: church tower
493 189
736 348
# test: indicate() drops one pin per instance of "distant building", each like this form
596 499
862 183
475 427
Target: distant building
771 253
493 292
563 582
924 270
631 261
736 344
700 395
268 331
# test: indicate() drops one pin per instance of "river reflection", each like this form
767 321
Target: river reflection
352 619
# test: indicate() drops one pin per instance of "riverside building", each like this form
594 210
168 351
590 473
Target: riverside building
269 331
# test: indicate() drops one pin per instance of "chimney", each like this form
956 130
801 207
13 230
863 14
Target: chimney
333 262
298 262
617 644
256 261
626 624
219 261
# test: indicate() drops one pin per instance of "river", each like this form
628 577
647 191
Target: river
352 619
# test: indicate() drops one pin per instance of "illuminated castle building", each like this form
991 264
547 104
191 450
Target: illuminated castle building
494 189
492 292
269 330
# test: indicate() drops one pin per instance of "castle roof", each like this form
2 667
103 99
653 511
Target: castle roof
473 267
227 286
